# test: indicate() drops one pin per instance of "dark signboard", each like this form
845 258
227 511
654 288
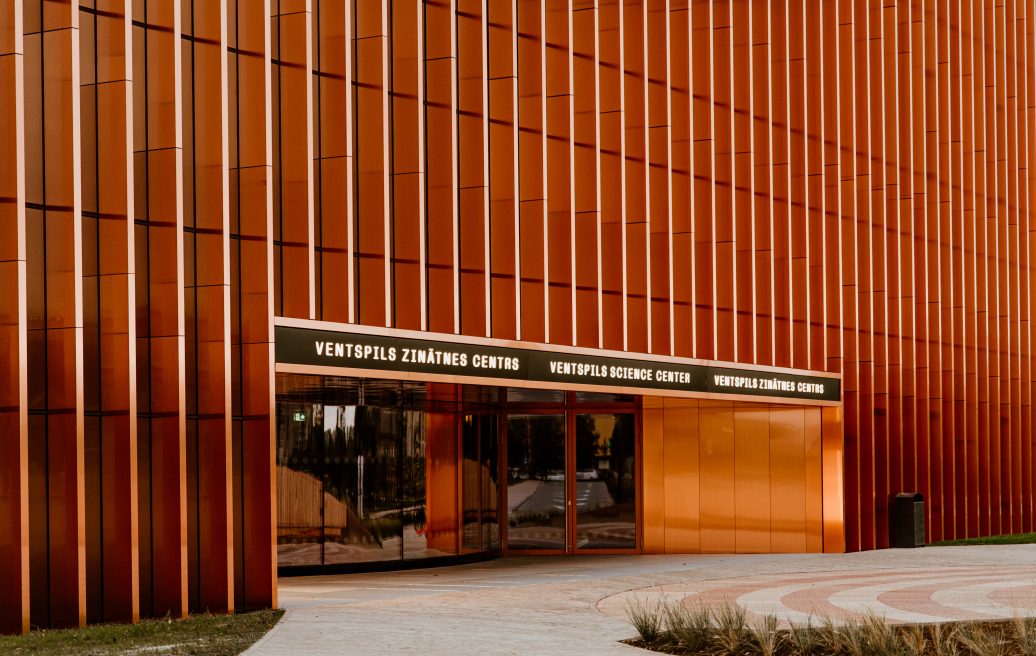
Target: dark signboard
308 346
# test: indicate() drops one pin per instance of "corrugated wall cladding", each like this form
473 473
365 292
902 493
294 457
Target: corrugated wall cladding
841 186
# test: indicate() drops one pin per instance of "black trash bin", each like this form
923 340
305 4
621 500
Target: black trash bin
908 520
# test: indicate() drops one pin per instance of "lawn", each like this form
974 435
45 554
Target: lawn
1021 538
198 635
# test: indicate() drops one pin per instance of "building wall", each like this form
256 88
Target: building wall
821 185
737 477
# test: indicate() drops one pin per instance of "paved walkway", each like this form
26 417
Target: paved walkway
574 605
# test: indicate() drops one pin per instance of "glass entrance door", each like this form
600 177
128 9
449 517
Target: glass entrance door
536 482
571 482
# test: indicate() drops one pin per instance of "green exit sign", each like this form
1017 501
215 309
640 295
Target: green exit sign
300 416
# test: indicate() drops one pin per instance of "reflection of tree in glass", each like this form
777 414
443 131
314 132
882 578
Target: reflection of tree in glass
587 438
623 447
546 433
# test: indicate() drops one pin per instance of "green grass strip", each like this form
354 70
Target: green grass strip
208 635
1020 538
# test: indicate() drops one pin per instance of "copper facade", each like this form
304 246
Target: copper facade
840 187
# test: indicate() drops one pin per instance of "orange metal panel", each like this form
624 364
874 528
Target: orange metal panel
613 175
814 479
637 256
55 314
788 476
473 168
682 148
504 256
833 465
333 168
291 41
158 177
14 427
251 218
109 305
373 233
717 462
210 501
702 179
441 152
752 470
682 476
408 162
560 171
659 176
654 477
587 175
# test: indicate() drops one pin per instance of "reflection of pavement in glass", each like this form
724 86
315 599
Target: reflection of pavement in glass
519 492
591 495
549 496
298 554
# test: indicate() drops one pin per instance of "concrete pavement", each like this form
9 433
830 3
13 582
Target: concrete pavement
575 605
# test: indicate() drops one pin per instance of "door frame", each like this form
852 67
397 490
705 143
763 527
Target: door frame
570 409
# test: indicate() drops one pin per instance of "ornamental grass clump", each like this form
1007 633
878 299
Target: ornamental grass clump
646 618
805 640
768 639
1025 635
691 627
914 640
881 638
730 632
944 641
980 640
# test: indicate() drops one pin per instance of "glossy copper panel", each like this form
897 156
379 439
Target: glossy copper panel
14 427
373 233
587 174
335 158
653 486
252 296
55 315
682 476
109 281
208 312
161 401
752 469
473 168
291 53
441 151
408 167
717 463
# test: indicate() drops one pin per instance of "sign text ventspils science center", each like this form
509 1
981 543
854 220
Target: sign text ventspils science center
308 346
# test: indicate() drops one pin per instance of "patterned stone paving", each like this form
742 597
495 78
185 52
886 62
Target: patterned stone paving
575 605
900 595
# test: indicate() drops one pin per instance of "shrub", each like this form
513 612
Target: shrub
731 632
690 627
983 641
1025 635
806 640
646 618
767 638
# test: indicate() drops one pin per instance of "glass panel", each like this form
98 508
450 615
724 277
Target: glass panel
441 501
414 487
606 509
489 457
366 482
471 494
299 486
536 481
523 395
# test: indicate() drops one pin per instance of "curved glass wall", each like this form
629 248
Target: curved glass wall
368 471
377 471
